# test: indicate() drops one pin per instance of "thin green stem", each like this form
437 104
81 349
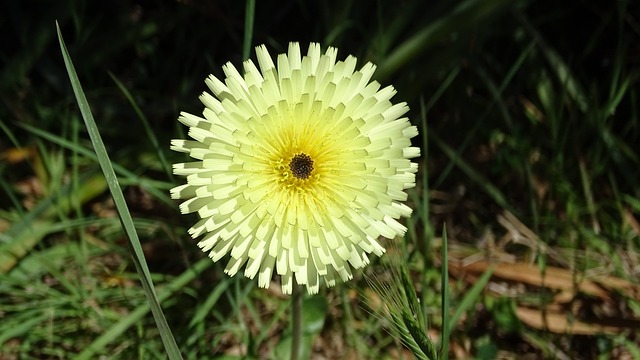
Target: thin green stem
428 231
297 322
249 17
444 355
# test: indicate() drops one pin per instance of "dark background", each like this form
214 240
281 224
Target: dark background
531 108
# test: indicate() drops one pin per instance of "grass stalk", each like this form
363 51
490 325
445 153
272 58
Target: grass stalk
296 340
123 212
249 16
444 346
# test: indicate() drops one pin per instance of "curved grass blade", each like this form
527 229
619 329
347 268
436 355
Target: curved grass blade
466 14
123 212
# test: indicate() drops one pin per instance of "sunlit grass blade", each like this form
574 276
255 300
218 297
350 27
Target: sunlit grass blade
123 212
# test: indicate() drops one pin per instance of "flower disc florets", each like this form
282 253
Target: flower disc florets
300 167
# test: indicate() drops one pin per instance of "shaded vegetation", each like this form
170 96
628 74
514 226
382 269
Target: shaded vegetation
529 127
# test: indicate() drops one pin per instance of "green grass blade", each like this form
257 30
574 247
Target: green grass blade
561 69
123 212
15 329
470 298
472 173
466 14
13 198
9 134
147 127
249 16
444 349
206 307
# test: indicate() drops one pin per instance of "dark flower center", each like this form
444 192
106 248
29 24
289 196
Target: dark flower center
301 166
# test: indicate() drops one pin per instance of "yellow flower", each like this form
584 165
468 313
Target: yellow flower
300 167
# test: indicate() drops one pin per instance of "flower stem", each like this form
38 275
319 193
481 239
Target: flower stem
297 322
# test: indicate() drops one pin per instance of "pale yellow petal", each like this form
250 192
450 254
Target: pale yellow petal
315 218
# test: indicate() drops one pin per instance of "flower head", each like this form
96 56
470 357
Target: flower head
300 167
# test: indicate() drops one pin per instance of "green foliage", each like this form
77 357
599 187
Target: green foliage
526 107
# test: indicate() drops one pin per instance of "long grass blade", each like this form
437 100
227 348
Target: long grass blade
470 298
249 16
472 173
444 348
123 212
166 167
465 14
